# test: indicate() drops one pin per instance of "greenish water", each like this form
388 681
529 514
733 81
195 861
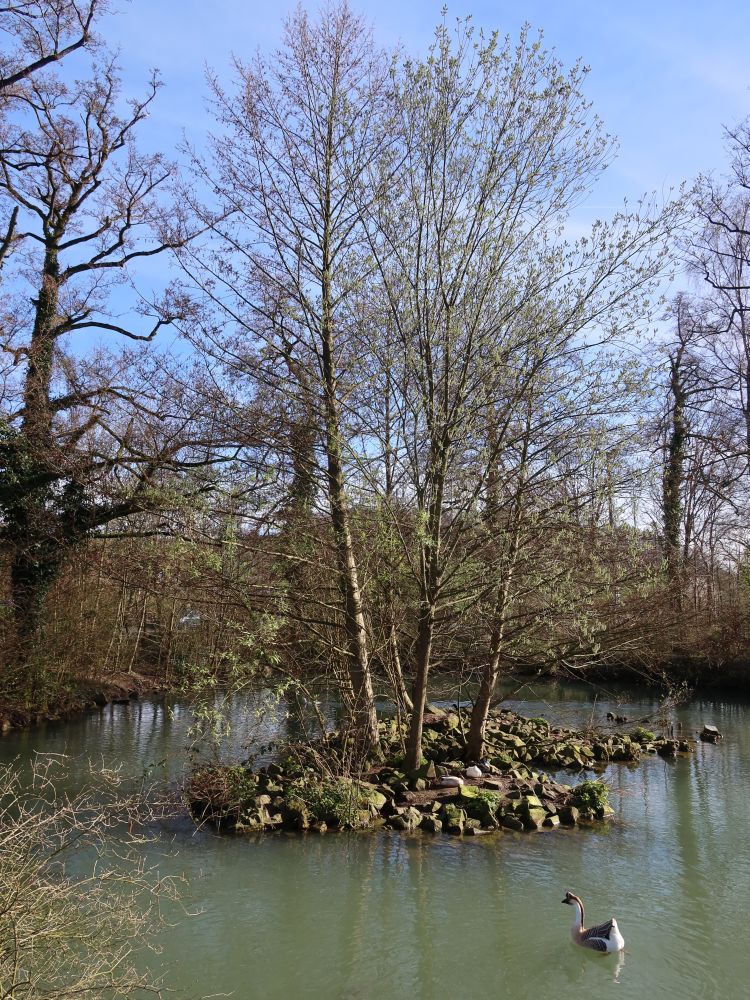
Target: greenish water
366 916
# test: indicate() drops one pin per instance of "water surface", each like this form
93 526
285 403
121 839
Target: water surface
371 916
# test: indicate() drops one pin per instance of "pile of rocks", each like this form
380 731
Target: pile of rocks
505 793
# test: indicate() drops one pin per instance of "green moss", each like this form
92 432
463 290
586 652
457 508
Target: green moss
333 801
592 795
641 735
492 799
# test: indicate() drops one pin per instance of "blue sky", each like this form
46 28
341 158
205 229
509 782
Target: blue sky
665 75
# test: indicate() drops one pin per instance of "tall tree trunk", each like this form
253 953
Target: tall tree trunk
401 695
364 717
425 630
399 685
672 482
481 709
430 578
32 527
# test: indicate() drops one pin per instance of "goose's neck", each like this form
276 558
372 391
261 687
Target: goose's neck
578 922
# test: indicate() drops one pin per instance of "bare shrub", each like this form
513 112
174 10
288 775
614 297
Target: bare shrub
78 900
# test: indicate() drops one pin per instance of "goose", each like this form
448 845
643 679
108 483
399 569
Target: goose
605 938
473 771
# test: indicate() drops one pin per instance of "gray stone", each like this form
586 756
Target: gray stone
431 824
569 815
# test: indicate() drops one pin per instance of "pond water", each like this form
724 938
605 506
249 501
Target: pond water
375 915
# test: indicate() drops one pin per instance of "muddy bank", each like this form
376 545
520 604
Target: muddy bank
81 696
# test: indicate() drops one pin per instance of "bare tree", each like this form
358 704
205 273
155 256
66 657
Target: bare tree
721 255
44 32
495 143
84 440
41 33
299 139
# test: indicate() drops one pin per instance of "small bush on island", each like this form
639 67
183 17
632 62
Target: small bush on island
592 796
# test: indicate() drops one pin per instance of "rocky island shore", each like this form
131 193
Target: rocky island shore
308 787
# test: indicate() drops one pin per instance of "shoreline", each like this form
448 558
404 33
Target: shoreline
701 676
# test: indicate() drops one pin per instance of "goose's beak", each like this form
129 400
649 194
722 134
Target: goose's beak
566 900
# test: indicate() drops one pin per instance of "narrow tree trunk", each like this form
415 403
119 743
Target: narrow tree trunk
673 478
364 716
430 585
425 630
399 685
481 710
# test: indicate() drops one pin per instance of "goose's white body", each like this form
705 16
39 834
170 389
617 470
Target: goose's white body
473 771
605 938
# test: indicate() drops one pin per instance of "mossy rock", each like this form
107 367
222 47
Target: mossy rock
511 740
530 802
408 820
249 823
502 761
511 822
484 809
533 818
372 797
454 766
540 724
426 771
520 774
467 792
453 817
296 814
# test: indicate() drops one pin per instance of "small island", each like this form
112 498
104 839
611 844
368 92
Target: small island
307 789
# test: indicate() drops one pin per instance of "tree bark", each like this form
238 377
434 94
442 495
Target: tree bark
31 526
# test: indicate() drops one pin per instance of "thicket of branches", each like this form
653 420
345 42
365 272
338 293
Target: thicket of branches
77 900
